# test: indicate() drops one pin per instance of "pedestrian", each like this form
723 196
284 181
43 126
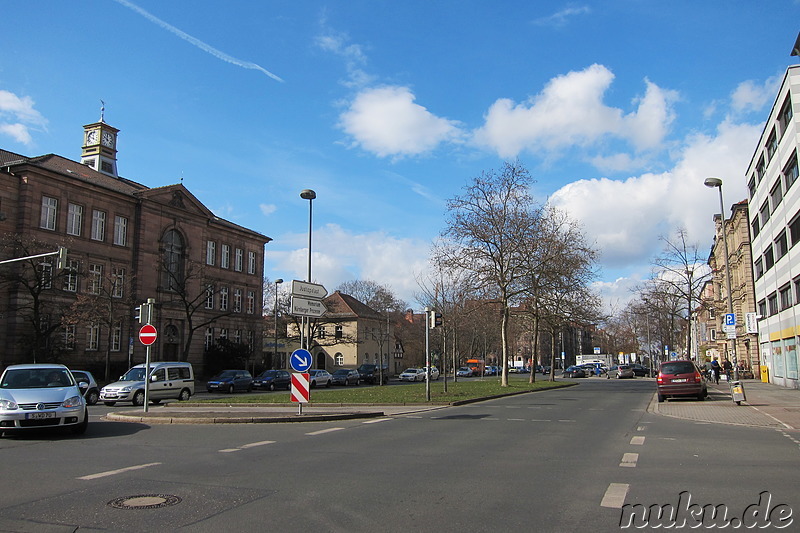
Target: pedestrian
715 368
728 367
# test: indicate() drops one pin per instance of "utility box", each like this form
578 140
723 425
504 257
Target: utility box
764 374
737 392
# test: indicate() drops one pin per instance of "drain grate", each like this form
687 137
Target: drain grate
145 501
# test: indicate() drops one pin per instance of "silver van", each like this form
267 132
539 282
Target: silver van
168 380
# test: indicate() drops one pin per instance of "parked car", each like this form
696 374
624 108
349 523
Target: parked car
680 378
640 370
41 395
464 372
591 369
490 370
273 379
574 372
92 392
231 381
167 379
369 373
414 374
622 371
319 378
345 376
543 369
513 370
434 373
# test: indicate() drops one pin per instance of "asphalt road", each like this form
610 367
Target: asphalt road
562 460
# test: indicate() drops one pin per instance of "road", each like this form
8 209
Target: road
562 460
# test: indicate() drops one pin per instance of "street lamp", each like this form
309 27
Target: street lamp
308 194
277 282
716 182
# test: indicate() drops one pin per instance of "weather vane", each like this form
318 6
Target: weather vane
102 110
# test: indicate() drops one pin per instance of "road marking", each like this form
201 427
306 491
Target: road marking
515 419
118 471
641 428
566 420
254 444
637 441
629 460
375 421
615 495
320 432
230 450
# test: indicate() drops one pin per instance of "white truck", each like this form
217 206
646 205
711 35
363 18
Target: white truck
607 360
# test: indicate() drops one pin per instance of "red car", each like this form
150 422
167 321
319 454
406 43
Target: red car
680 378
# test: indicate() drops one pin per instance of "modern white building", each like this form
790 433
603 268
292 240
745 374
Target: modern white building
774 205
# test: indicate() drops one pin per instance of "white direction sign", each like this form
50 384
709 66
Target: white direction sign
307 307
304 289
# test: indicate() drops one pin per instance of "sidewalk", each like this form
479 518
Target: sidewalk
767 405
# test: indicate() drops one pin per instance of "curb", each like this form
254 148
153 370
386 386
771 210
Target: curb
227 419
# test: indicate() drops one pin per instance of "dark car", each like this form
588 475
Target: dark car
345 376
574 372
372 374
680 378
230 381
273 379
92 392
640 370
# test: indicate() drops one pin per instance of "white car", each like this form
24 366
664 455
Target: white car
41 396
464 372
434 372
319 378
413 374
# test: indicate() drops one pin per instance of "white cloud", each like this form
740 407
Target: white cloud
387 122
749 96
267 209
339 256
570 112
560 18
18 117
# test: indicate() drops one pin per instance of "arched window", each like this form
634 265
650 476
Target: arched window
172 245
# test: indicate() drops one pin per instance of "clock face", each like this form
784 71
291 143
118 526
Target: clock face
91 137
108 139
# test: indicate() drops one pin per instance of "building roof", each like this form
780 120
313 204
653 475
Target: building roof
340 305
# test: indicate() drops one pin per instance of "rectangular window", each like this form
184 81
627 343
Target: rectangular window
95 279
712 334
251 262
237 300
74 219
772 303
751 186
209 297
796 289
223 333
209 337
211 253
776 195
98 225
251 302
49 211
786 114
223 299
69 337
237 336
339 359
759 266
71 276
786 296
762 308
93 337
47 275
712 313
118 279
225 260
772 144
321 332
760 168
755 226
769 258
781 245
116 337
764 211
338 332
790 172
120 231
238 260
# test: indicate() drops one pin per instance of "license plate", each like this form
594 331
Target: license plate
682 380
212 386
39 416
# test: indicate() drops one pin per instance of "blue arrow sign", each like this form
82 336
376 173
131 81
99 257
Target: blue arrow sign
300 360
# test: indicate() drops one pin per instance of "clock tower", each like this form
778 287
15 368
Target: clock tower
100 147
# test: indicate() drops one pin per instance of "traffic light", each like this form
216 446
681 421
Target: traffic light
436 319
137 313
144 313
61 263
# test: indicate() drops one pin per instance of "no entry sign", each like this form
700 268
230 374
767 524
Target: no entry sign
148 334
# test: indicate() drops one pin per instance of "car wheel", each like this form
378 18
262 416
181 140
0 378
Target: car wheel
231 388
701 397
313 385
661 398
184 395
92 397
155 402
80 429
110 404
328 384
271 386
138 398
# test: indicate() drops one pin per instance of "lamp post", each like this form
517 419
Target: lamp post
274 364
716 182
308 194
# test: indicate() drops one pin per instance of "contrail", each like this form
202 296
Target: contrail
197 42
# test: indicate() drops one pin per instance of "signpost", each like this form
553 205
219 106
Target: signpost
307 303
148 334
307 307
300 360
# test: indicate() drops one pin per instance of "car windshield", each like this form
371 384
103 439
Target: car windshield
684 367
134 374
342 372
36 378
410 371
268 374
225 374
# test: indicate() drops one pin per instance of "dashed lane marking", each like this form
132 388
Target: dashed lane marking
376 420
321 431
118 471
629 460
637 441
246 446
615 495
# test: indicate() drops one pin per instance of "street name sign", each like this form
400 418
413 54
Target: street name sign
148 334
300 389
300 360
307 307
308 290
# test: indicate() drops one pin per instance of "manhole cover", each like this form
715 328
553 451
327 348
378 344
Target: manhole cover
145 501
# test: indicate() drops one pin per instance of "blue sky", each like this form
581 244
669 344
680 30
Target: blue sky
386 109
